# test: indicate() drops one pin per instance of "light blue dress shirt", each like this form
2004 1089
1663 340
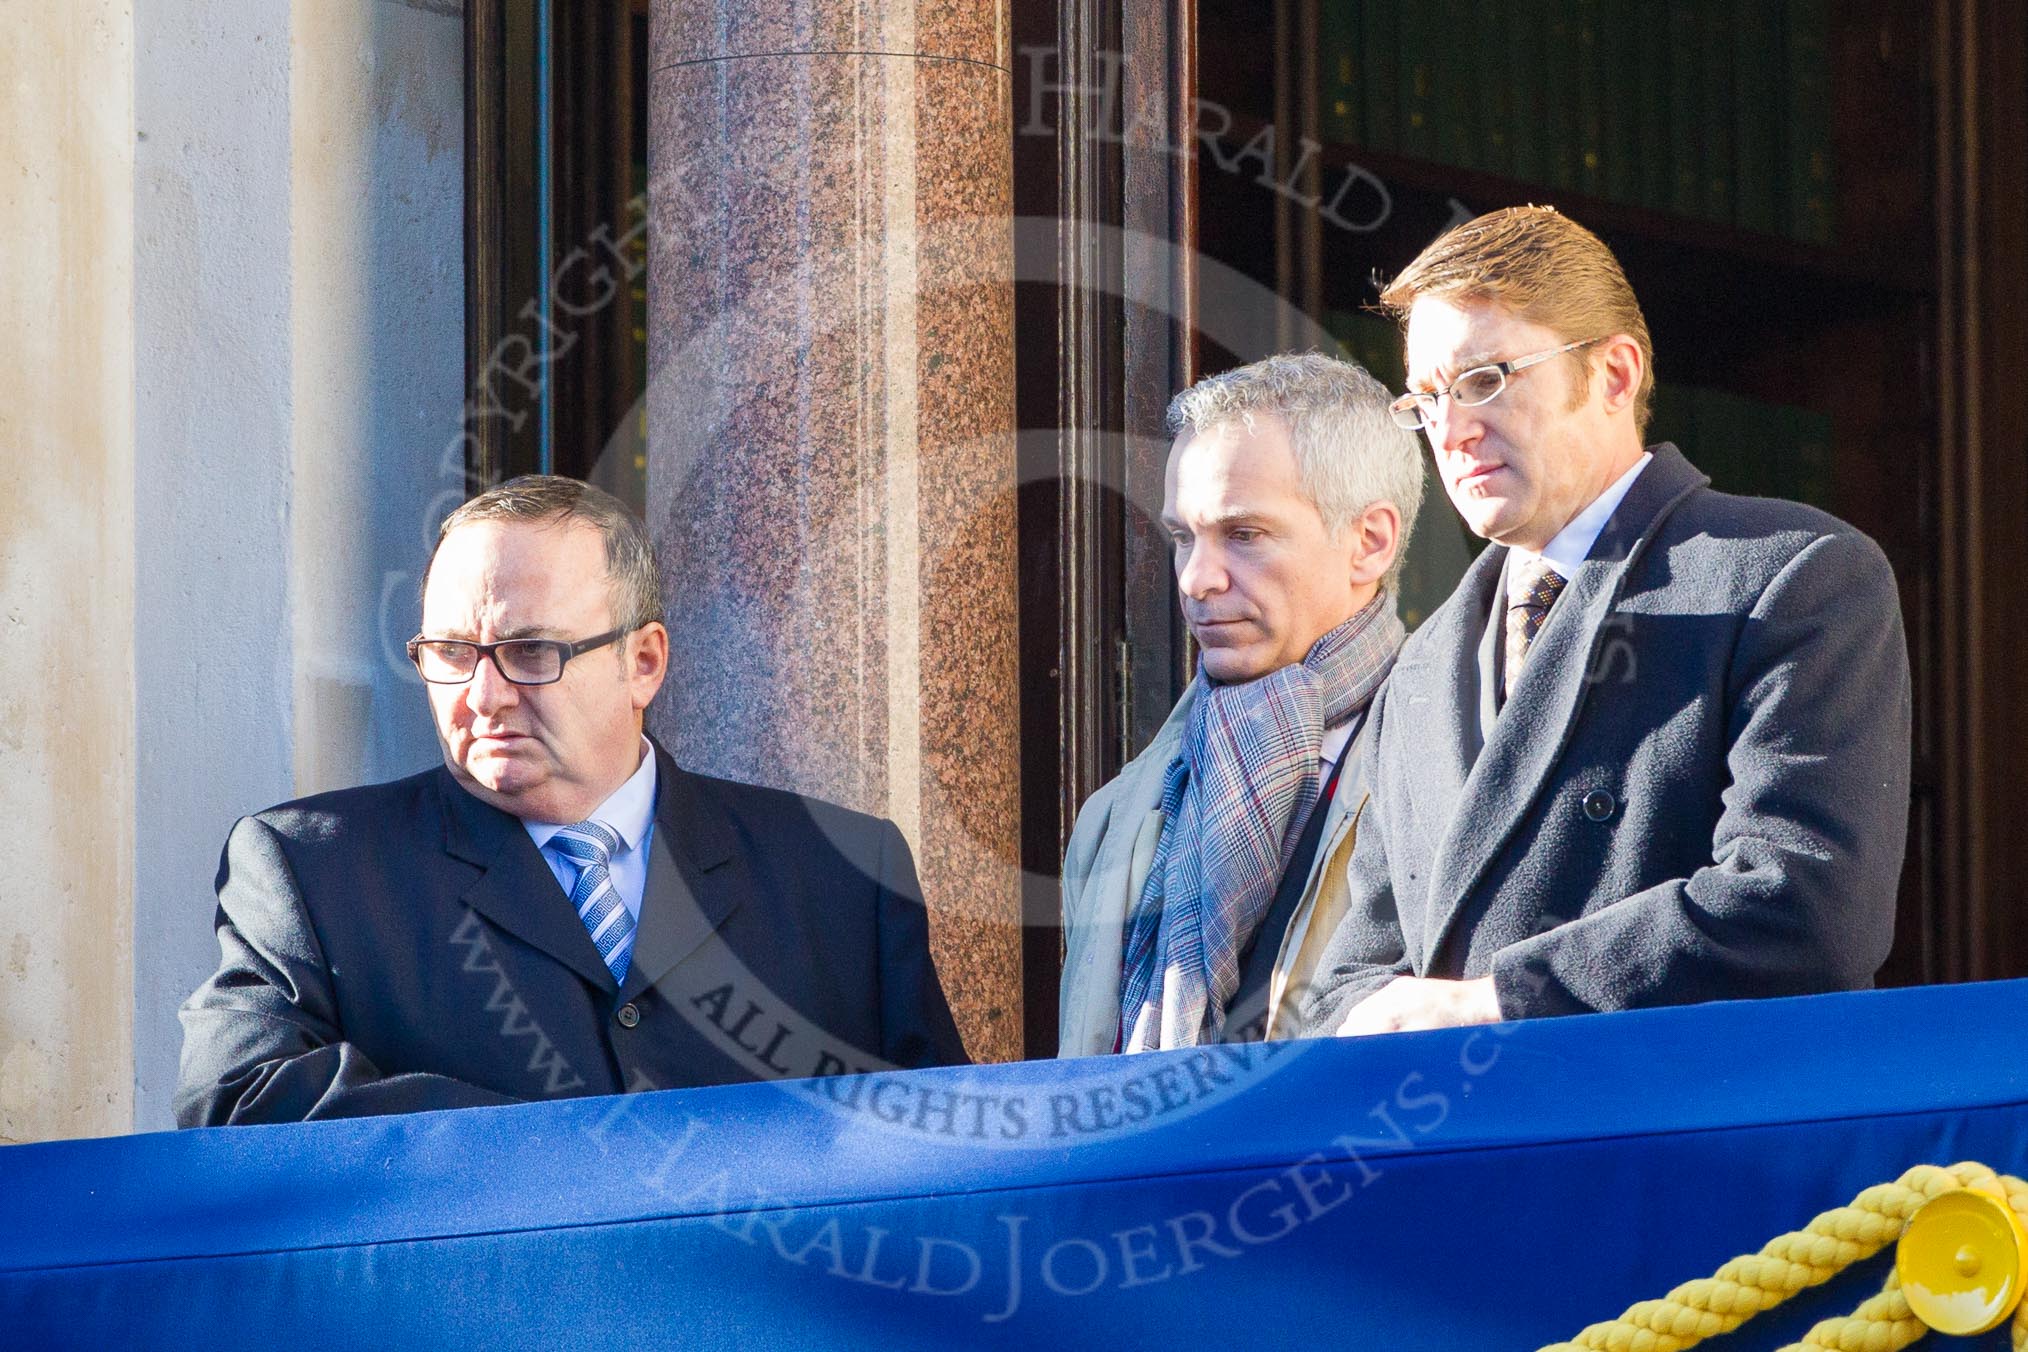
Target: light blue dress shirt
629 814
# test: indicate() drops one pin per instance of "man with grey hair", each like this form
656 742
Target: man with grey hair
558 909
1200 884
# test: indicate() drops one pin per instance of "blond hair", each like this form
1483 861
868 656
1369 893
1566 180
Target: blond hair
1541 266
1349 452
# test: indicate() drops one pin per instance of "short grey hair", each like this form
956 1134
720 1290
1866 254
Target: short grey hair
1349 452
632 577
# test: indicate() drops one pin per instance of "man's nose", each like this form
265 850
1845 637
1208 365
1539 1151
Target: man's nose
1451 426
1203 572
488 690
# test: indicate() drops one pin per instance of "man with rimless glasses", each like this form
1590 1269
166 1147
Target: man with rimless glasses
1654 749
558 909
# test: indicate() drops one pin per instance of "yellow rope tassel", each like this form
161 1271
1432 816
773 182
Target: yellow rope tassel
1801 1259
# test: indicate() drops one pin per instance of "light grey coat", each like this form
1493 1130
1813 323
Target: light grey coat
1105 868
1697 790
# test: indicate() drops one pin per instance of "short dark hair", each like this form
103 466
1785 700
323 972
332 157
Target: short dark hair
634 580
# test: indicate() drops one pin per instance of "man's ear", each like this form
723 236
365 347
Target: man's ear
647 661
1624 368
1376 538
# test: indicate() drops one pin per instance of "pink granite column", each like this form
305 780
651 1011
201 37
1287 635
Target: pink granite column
831 432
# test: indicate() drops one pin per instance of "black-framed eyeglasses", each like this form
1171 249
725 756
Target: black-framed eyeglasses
1482 384
524 661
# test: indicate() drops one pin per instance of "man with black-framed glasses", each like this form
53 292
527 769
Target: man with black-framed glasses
1655 747
559 909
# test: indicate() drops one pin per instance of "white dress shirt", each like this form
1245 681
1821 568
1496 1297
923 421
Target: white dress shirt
628 813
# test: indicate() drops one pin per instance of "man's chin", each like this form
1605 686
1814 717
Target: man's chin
505 784
1484 516
529 797
1485 520
1232 666
498 773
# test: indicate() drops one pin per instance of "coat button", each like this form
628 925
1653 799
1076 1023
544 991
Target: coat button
1599 805
628 1015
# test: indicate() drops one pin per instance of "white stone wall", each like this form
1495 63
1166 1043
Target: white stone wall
67 762
234 316
379 362
212 678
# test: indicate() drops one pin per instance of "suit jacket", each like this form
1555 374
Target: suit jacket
1105 869
404 946
1697 789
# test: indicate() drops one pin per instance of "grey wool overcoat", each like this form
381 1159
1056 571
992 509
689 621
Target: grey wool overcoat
1696 790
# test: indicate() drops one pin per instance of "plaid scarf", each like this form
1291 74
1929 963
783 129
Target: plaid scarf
1234 804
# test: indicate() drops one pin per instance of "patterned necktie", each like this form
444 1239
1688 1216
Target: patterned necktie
590 846
1532 588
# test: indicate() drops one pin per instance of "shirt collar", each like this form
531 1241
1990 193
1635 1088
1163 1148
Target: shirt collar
1334 742
1572 545
627 812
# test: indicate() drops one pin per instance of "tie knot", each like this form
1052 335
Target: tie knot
587 842
1533 585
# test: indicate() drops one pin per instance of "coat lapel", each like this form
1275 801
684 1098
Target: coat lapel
1531 732
1132 828
1326 892
1433 693
1141 808
1492 633
690 890
516 891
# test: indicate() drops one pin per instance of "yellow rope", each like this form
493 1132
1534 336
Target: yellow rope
1801 1259
1882 1324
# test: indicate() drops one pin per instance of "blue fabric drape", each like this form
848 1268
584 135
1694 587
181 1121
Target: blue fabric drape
1486 1188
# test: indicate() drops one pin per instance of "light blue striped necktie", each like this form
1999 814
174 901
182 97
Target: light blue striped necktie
590 846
